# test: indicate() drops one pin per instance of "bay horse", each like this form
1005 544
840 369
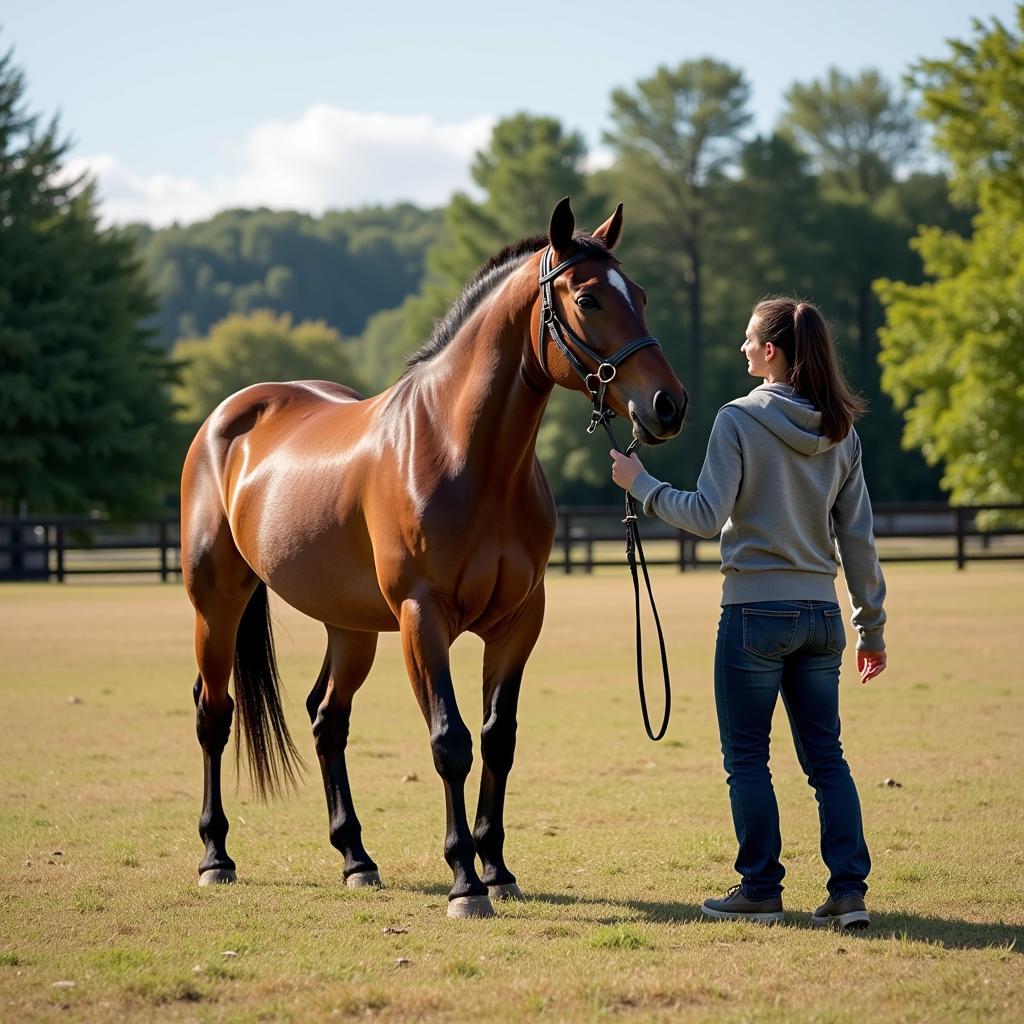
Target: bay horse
423 510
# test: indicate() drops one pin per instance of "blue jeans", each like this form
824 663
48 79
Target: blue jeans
794 648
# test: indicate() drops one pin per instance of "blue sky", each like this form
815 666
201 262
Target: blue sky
181 109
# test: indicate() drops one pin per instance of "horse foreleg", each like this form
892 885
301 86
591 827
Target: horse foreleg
349 658
505 656
426 638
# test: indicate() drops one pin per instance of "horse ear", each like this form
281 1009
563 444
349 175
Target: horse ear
610 230
562 225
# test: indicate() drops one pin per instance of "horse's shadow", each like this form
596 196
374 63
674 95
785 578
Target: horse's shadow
949 933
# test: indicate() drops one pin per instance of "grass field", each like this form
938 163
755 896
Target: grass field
616 840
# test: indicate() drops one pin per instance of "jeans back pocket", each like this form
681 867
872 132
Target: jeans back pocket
769 633
835 634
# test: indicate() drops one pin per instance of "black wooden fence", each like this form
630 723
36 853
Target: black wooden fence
54 548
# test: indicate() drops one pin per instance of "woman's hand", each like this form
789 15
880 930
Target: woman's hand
870 664
625 469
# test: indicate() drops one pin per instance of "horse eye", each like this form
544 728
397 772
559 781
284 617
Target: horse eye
587 301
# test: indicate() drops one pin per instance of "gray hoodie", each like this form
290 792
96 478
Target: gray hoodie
783 494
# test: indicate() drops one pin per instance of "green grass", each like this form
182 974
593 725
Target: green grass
615 840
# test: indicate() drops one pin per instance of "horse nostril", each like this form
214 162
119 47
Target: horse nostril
665 408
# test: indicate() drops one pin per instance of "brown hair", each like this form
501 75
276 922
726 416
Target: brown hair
798 328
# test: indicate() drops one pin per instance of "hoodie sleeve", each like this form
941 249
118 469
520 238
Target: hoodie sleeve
705 510
854 527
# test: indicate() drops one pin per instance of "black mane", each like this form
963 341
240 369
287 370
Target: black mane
484 281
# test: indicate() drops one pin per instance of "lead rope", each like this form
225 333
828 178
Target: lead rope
635 547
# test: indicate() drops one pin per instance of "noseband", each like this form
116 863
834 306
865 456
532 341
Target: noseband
595 381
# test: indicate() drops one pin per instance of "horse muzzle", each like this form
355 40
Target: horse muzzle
661 419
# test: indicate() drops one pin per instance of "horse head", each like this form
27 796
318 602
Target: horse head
592 335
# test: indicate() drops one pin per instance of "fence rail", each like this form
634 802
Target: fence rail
588 537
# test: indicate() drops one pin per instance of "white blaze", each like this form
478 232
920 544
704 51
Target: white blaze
619 283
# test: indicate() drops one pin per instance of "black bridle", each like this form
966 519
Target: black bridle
596 382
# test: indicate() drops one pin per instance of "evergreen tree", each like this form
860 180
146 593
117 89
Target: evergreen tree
858 130
675 135
84 406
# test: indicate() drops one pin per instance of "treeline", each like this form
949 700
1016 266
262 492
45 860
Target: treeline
340 268
832 205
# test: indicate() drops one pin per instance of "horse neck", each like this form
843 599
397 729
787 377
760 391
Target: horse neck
494 405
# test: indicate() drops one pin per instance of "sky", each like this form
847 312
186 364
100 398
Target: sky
180 110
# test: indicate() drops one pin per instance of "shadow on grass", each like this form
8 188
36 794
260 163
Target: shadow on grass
950 933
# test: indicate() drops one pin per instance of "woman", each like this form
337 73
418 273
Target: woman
783 482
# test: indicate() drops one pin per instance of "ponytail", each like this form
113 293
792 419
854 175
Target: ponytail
800 331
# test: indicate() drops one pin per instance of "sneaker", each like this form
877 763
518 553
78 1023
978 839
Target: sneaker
848 912
734 906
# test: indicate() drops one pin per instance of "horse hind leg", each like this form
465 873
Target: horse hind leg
219 584
505 657
346 665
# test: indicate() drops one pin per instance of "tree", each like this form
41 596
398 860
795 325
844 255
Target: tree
675 136
249 349
857 130
951 347
84 406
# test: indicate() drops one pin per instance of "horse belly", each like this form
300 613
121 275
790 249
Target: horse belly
308 540
335 581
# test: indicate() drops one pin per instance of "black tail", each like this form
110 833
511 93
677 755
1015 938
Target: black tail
273 760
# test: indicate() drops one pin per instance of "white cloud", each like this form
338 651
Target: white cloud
599 158
325 158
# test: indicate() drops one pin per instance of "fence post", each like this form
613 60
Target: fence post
163 550
567 540
17 548
961 537
59 539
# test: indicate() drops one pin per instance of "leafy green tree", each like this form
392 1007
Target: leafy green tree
951 347
84 406
858 130
675 136
250 349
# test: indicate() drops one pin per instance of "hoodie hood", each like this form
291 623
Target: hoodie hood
789 416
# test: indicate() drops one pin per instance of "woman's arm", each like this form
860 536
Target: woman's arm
854 527
703 511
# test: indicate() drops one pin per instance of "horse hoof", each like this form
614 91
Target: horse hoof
506 891
470 906
364 880
218 876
